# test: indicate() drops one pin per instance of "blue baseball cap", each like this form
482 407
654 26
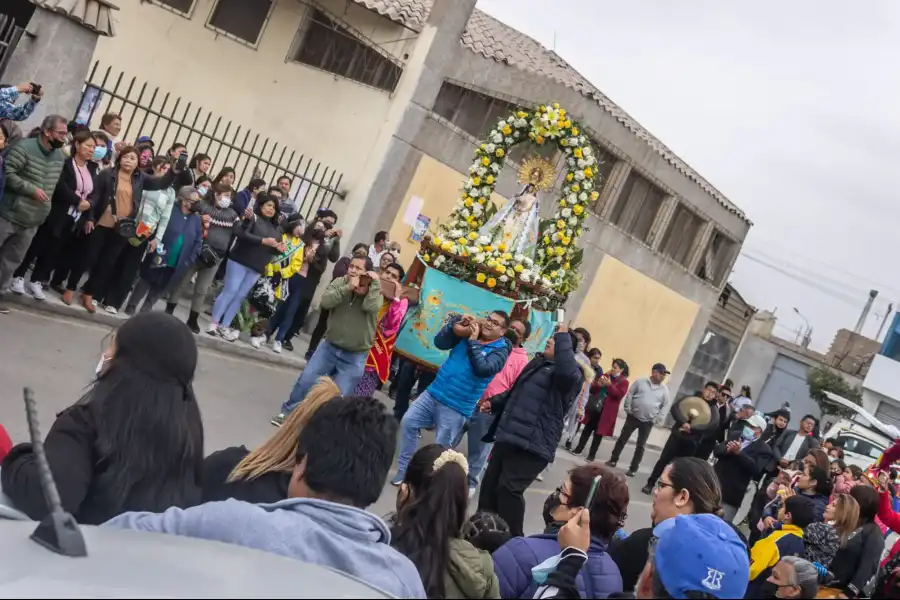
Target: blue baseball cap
700 553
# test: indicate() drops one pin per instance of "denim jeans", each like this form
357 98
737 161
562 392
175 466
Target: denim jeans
284 314
345 368
478 451
426 412
239 280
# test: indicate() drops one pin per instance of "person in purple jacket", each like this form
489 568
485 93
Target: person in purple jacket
520 563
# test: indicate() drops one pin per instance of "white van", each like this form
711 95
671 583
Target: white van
862 437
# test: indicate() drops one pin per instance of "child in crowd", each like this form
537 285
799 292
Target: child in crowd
486 531
795 514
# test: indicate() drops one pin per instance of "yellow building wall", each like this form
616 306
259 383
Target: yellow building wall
633 317
439 186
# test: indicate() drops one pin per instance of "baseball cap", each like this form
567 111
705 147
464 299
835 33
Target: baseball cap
756 421
740 402
700 553
661 368
145 139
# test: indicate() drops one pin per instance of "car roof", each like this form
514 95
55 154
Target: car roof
123 564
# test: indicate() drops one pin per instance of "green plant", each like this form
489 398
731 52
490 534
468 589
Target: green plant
823 379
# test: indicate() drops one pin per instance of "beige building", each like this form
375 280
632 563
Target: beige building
385 101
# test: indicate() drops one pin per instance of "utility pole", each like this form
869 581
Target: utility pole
865 313
887 315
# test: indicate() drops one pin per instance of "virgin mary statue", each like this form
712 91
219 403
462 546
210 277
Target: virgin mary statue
517 224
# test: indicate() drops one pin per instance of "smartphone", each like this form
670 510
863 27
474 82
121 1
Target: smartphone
591 493
560 315
35 88
182 160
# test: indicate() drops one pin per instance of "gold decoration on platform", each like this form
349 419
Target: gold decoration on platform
538 172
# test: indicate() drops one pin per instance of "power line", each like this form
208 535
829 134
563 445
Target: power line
852 301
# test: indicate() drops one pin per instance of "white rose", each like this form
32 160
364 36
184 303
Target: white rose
528 262
516 133
504 279
509 140
570 161
588 151
573 221
583 196
581 163
561 273
590 160
474 192
479 258
571 198
481 171
464 212
525 277
486 191
495 167
496 137
579 175
455 234
588 185
484 240
566 213
573 141
489 148
501 124
476 209
519 258
521 123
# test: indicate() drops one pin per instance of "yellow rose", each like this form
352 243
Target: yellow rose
480 277
564 142
481 201
521 114
500 153
489 179
560 123
501 247
476 181
470 219
468 202
426 257
595 195
553 274
437 240
563 203
556 105
447 246
569 123
574 131
576 187
560 224
491 282
500 269
560 251
539 139
543 108
577 153
546 240
507 130
518 268
566 241
578 209
506 255
588 172
488 248
473 235
461 241
485 161
562 112
569 176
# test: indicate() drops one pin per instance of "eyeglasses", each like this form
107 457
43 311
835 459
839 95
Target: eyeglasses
494 323
660 484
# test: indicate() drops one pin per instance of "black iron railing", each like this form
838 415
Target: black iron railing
9 37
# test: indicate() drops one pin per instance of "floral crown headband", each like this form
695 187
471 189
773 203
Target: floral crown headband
450 456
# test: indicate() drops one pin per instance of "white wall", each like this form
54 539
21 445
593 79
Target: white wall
334 120
882 382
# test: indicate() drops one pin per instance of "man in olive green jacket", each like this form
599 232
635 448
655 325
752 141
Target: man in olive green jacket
31 168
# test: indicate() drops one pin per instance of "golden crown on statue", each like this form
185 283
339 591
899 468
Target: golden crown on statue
538 172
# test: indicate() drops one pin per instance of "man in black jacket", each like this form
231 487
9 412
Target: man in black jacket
742 459
794 445
530 428
716 435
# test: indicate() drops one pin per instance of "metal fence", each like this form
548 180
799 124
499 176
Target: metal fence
168 119
9 37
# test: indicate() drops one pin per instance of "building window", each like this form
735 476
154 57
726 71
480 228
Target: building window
184 7
241 20
717 258
334 48
681 235
473 112
605 163
636 209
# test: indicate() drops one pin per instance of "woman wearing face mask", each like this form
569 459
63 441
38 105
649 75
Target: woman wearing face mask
219 219
182 243
256 245
134 442
687 486
611 388
115 198
427 528
522 563
203 185
69 201
154 211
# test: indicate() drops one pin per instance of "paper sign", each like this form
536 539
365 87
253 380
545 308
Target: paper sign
412 210
420 228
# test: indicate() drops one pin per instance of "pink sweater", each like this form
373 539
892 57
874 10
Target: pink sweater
505 379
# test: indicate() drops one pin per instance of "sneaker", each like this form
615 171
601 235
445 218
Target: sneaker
17 285
4 310
397 480
257 342
287 345
612 463
647 490
276 347
540 477
278 419
36 290
94 303
111 310
631 472
231 335
213 329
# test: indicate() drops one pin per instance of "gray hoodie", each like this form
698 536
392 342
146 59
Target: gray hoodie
338 536
646 401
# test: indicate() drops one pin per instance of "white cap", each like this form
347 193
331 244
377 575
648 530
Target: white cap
756 421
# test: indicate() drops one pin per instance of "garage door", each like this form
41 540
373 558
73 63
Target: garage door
889 413
787 383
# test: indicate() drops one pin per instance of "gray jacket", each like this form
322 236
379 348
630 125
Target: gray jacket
646 401
785 441
338 536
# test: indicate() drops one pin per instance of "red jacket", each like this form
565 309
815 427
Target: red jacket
615 391
5 443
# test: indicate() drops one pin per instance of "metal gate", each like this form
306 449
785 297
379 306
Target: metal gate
168 119
787 383
9 38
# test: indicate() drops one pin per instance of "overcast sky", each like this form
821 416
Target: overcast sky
791 109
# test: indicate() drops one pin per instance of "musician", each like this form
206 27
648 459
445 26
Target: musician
685 438
716 435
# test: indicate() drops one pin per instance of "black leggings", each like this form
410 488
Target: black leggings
589 429
103 248
43 251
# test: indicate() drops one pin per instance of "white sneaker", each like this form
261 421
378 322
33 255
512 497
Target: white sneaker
17 285
230 335
257 342
36 290
111 310
94 303
276 347
213 329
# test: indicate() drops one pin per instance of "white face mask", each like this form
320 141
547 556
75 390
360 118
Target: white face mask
223 202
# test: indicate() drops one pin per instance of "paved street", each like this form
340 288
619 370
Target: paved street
56 357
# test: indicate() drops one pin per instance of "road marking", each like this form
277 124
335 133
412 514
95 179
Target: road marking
60 319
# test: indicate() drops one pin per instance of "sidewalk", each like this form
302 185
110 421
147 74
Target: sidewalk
241 348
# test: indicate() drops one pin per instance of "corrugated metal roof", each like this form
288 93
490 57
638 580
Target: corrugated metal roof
495 40
96 15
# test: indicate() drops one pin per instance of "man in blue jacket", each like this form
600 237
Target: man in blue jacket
530 427
478 351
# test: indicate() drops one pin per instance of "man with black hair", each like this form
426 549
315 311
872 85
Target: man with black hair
343 457
379 247
530 426
716 435
354 301
330 251
284 183
478 351
795 514
245 200
794 445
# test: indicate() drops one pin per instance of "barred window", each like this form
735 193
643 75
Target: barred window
637 207
717 258
680 237
331 47
473 112
241 19
182 6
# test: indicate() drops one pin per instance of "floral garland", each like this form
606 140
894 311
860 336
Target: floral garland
555 266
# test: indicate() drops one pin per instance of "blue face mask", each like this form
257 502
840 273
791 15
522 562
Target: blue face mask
540 573
748 434
99 153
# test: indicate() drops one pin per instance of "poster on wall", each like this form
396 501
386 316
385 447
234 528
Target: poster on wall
90 100
413 210
420 228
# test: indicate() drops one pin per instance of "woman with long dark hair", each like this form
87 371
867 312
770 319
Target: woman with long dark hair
611 387
226 176
427 529
133 442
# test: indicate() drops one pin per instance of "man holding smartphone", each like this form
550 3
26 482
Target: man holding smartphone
10 93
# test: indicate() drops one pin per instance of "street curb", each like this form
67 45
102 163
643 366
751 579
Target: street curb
240 349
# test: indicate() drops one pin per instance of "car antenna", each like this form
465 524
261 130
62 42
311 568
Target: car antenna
58 531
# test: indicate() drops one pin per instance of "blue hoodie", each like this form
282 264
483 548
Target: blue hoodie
338 536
